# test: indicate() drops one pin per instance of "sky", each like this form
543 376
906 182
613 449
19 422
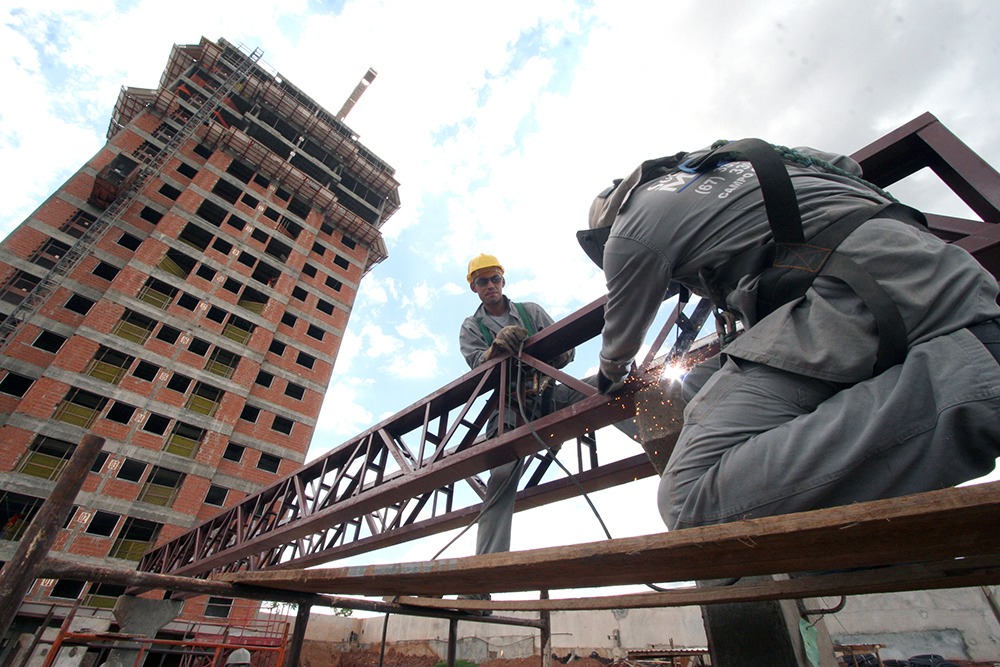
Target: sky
503 120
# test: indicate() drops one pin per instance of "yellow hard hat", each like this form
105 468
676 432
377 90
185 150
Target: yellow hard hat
483 261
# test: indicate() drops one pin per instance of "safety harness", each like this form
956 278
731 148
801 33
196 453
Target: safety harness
787 265
535 383
522 312
790 263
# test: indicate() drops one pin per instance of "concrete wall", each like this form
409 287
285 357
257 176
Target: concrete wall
957 623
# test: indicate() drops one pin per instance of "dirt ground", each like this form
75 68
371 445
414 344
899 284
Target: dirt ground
317 655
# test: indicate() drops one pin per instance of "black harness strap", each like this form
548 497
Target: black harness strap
776 187
788 266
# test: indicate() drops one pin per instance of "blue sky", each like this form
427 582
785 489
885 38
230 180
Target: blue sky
503 120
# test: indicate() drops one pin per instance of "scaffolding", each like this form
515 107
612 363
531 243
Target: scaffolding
240 64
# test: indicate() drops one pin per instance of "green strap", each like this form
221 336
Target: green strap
522 313
528 324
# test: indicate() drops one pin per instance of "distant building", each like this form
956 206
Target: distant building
183 295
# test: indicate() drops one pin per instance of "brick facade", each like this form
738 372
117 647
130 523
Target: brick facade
204 320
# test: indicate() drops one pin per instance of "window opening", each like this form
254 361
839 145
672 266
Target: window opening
45 458
137 536
168 334
268 462
216 495
184 440
16 385
49 253
128 241
282 425
18 287
204 399
79 304
120 412
109 365
145 371
106 271
103 523
48 341
134 326
80 408
177 263
234 452
131 470
78 223
222 363
161 487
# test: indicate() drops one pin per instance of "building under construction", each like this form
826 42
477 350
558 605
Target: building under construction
175 325
182 296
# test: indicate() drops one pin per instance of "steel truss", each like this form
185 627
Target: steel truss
407 477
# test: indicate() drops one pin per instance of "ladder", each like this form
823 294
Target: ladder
26 309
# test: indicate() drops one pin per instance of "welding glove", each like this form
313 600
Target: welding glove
563 359
606 386
508 340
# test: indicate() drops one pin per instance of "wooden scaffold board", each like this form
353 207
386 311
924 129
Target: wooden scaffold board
940 539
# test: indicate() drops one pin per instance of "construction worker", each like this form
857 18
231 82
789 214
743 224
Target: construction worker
499 326
868 363
238 658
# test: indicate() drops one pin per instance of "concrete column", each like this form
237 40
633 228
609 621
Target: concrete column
142 617
762 633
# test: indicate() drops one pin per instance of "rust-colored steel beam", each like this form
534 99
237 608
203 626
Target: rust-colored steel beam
414 474
398 478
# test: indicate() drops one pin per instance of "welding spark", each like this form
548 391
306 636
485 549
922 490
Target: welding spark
673 372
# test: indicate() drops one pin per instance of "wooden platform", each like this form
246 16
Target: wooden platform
941 539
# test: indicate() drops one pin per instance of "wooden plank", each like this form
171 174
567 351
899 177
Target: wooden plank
933 526
979 571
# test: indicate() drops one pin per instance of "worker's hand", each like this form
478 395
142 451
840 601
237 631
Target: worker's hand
606 386
508 340
562 359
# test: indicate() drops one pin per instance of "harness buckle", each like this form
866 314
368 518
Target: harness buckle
725 326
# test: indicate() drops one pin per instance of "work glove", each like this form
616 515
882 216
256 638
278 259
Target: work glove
508 340
606 386
563 359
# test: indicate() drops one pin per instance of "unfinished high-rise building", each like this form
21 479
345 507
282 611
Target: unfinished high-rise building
183 296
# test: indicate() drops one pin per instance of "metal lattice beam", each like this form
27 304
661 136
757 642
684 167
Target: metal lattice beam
404 478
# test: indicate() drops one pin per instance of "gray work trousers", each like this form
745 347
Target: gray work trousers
494 524
495 521
759 441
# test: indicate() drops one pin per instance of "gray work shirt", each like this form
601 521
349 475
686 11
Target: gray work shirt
470 338
675 226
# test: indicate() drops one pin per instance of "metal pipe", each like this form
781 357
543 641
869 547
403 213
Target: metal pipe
452 641
20 572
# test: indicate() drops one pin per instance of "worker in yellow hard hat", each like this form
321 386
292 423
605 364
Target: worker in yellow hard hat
499 326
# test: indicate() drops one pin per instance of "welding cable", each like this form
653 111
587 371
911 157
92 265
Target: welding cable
553 453
515 473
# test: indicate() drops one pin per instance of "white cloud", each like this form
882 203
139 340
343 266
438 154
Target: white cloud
341 417
376 343
503 130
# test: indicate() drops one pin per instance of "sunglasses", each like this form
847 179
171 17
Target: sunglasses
483 282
